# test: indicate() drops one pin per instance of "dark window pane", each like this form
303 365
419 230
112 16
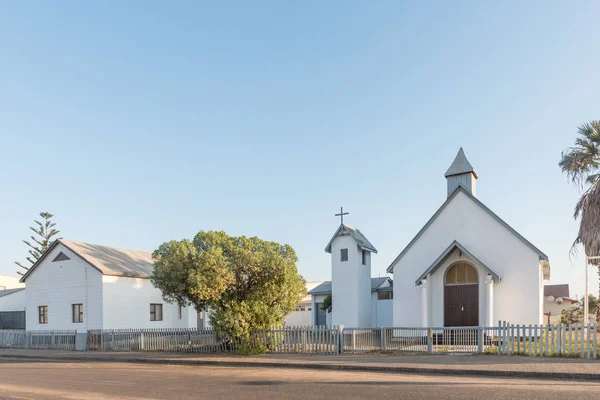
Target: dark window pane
344 254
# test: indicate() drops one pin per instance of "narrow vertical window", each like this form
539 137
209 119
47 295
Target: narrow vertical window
156 312
344 254
43 314
180 312
365 257
77 313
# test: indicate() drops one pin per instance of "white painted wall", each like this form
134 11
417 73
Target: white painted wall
553 307
385 313
59 285
10 282
13 302
300 318
127 305
517 297
351 285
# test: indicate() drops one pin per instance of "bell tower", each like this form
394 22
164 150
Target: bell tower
461 173
350 276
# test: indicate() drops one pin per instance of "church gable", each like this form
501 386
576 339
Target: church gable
464 218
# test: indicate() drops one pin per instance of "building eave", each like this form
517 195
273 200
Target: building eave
460 189
446 253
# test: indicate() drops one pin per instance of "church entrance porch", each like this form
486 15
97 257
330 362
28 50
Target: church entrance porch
461 295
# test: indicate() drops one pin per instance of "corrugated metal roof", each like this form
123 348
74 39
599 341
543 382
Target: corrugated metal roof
113 261
460 165
108 260
360 239
325 287
6 292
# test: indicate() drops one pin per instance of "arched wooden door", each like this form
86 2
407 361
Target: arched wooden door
461 295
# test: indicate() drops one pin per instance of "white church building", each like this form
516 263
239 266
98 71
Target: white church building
465 267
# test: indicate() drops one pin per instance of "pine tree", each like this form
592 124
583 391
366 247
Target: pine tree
45 238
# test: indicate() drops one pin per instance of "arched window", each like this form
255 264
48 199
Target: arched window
460 274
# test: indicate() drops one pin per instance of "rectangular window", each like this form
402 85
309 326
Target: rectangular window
155 312
385 295
344 254
365 257
180 312
77 313
43 314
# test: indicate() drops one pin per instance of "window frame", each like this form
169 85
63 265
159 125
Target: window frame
343 252
77 318
156 312
366 257
389 294
44 314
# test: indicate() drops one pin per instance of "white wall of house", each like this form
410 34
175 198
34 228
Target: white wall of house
10 282
13 302
552 307
381 311
126 304
350 285
301 317
517 298
59 285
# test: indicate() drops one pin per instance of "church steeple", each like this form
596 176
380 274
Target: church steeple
461 173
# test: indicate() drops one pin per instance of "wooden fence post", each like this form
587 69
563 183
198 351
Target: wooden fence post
341 339
383 339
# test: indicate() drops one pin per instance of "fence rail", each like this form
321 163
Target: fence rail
504 339
57 340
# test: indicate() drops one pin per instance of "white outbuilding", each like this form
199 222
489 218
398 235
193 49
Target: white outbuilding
83 286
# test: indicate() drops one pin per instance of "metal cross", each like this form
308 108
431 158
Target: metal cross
341 214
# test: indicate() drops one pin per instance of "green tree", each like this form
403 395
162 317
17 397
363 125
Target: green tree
326 306
581 163
246 283
46 235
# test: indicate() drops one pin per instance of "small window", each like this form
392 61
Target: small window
344 254
180 312
156 312
43 314
385 295
77 313
365 257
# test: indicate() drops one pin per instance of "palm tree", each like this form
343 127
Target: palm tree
581 163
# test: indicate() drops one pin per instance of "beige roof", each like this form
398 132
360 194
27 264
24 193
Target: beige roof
107 260
113 261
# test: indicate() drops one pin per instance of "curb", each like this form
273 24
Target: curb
563 376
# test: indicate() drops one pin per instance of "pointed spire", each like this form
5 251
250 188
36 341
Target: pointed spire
460 165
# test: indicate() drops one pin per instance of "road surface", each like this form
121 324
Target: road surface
29 379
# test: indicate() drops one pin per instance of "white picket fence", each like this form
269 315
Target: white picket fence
504 339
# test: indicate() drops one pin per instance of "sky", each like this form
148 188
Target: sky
140 122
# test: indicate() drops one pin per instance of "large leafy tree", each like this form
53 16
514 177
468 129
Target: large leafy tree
45 235
245 282
581 163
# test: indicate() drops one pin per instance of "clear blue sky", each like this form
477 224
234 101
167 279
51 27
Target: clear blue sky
145 122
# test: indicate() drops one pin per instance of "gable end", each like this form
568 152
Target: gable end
542 256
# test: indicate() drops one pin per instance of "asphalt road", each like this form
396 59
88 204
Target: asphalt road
27 379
